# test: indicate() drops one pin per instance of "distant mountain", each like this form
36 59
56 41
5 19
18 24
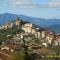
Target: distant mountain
55 28
38 21
8 17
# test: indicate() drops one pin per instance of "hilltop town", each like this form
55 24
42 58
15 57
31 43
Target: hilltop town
29 28
35 36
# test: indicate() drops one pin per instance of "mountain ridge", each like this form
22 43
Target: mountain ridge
38 21
55 28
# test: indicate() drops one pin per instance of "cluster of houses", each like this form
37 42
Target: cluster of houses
11 24
46 36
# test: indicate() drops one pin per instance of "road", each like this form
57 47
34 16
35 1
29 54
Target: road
4 56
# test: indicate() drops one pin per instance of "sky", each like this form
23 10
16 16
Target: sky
35 8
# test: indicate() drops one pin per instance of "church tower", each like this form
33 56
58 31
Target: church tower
18 22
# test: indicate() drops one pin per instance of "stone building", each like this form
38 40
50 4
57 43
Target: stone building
27 27
18 22
50 37
40 33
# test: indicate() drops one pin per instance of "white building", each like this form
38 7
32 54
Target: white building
33 31
49 40
57 41
38 34
6 26
10 25
3 26
43 34
0 27
27 27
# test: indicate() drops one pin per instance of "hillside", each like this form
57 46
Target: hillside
55 28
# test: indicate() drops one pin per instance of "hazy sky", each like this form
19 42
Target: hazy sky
35 8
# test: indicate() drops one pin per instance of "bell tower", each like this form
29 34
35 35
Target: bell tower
17 22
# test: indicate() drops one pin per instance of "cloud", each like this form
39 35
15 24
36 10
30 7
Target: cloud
32 4
54 3
23 4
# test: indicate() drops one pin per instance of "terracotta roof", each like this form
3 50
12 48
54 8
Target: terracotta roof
12 46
